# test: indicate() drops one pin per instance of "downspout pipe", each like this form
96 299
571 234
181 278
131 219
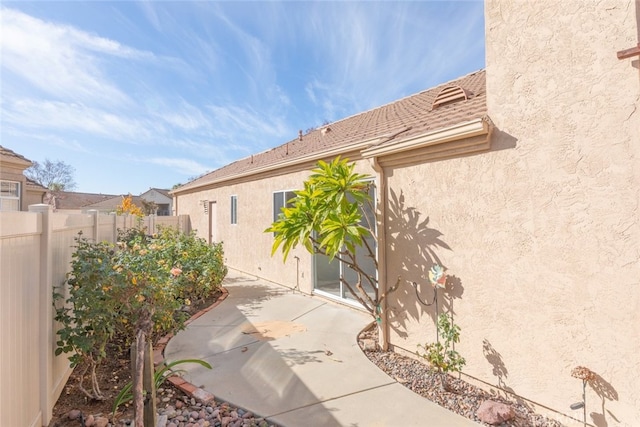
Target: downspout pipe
382 264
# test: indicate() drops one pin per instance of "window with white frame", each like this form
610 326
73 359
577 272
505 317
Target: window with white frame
281 199
234 209
9 196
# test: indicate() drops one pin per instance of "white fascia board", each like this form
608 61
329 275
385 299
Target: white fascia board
452 133
294 161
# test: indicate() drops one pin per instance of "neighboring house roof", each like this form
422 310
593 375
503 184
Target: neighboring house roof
74 200
10 156
162 191
395 122
32 185
113 202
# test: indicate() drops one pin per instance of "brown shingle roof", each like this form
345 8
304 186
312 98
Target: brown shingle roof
399 120
34 185
10 154
114 201
74 200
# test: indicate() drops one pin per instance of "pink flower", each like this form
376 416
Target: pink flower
175 271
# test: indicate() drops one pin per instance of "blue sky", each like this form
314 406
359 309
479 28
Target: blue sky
146 94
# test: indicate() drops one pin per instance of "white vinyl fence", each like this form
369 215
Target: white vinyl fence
35 253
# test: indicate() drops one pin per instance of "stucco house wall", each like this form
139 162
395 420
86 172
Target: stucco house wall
247 248
540 234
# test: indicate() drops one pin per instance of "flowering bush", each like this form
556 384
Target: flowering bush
201 266
140 284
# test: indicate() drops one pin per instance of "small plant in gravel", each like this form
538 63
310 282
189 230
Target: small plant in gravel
159 377
441 355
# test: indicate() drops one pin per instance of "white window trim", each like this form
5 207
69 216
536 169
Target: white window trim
18 198
234 209
284 200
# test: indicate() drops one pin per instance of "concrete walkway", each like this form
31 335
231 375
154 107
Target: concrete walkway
294 359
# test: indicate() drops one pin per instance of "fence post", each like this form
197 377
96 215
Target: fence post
94 214
46 311
114 232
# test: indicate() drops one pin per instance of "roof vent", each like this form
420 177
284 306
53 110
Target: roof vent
325 130
449 95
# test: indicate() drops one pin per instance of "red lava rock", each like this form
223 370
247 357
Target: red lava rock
494 413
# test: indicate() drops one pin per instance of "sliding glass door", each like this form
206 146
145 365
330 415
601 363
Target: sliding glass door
328 273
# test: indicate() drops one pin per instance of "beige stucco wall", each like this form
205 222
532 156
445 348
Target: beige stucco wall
541 234
247 248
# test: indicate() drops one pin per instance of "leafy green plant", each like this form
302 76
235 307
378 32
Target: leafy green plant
333 216
201 264
441 355
88 316
135 290
159 377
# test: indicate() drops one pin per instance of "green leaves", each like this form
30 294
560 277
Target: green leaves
142 283
326 215
160 376
442 355
333 215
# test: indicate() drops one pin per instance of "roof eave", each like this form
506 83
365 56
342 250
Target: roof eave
279 165
469 129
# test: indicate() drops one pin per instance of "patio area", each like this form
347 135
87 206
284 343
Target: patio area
294 359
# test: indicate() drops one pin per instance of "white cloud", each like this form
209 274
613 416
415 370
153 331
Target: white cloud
61 60
184 116
248 122
184 166
73 118
375 52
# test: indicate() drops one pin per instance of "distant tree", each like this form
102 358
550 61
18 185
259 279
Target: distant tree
54 175
149 207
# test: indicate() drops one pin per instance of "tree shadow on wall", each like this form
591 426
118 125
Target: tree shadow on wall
415 244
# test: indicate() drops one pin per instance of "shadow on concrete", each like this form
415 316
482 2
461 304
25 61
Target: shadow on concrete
254 372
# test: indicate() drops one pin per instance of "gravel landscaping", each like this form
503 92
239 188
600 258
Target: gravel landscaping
461 397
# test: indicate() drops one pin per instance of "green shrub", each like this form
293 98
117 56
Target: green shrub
89 315
202 265
139 285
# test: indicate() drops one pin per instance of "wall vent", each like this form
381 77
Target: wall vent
449 95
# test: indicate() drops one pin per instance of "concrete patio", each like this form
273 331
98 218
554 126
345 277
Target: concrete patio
294 359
